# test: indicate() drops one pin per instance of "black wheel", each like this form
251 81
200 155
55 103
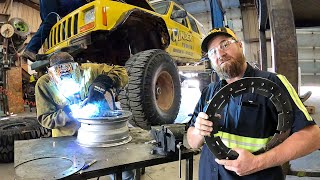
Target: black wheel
18 128
153 93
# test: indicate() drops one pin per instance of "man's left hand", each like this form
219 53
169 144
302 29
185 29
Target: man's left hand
245 164
96 93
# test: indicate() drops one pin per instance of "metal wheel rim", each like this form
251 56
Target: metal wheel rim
104 145
165 98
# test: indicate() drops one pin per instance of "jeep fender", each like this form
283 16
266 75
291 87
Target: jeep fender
151 20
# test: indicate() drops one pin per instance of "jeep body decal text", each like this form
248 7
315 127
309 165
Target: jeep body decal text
188 46
177 35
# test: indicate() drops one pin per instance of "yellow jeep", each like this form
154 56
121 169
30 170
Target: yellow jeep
149 39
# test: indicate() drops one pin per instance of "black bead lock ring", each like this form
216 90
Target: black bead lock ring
259 86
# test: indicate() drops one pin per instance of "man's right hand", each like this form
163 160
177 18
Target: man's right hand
202 125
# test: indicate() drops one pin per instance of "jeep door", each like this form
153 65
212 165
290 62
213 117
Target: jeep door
181 44
196 38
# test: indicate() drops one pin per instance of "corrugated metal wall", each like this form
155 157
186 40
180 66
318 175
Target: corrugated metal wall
308 40
309 51
28 14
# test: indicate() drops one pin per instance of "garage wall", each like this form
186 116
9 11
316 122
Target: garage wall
308 41
309 55
251 36
28 14
205 20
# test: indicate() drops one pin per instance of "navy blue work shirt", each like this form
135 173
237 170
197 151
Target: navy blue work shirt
67 6
248 115
60 7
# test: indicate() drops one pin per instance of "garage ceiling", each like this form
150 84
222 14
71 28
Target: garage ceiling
306 12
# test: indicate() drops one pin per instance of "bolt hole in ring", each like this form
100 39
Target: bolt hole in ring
256 85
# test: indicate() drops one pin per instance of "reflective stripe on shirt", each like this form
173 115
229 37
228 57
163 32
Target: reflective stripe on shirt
248 143
294 96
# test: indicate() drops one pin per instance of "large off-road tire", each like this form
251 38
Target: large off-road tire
18 128
153 93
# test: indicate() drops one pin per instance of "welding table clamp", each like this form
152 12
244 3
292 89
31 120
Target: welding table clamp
168 140
260 86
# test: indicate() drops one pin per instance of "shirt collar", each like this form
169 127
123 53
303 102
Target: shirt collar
249 71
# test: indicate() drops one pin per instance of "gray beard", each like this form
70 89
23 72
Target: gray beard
231 69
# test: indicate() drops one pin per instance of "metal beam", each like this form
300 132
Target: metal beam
284 40
263 17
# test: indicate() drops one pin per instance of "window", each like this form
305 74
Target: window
201 29
161 7
193 25
182 21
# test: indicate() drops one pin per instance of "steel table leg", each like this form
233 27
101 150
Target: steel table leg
118 176
138 174
189 168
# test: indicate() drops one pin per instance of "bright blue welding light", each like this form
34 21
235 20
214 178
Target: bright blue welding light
89 110
84 112
69 87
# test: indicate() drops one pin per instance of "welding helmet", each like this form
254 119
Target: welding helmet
64 71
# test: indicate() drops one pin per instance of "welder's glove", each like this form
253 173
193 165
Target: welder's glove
98 88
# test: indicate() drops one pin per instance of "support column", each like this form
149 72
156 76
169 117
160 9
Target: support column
14 90
263 17
284 40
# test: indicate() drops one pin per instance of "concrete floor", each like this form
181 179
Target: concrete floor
170 171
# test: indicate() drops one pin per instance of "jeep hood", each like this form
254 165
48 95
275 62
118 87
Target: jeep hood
140 3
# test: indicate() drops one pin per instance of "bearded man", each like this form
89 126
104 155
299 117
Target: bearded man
249 120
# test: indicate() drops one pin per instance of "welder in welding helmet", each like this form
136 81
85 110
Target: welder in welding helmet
65 72
66 77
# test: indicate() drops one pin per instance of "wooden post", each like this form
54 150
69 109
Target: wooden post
14 90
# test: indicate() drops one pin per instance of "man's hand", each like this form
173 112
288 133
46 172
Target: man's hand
66 109
246 163
98 88
202 125
96 93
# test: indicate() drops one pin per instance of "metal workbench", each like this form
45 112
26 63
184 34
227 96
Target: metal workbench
112 160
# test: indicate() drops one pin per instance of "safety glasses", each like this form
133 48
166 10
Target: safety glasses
224 45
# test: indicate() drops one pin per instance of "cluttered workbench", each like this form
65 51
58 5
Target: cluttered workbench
63 157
